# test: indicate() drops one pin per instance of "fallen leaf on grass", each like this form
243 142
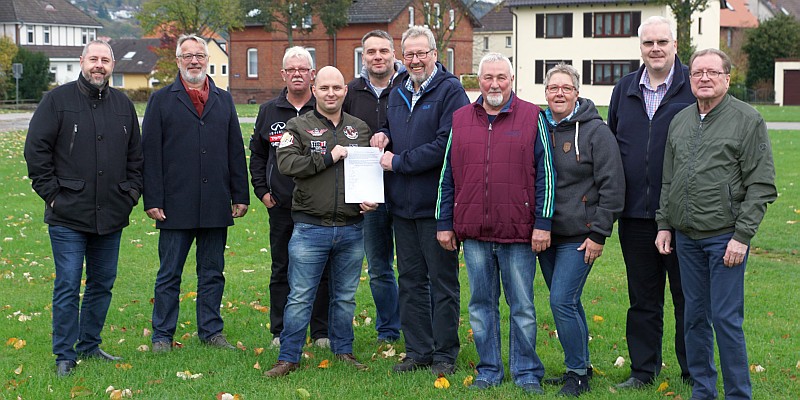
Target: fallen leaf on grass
303 394
597 318
187 375
124 367
390 352
619 362
240 346
324 364
257 365
143 347
663 386
797 365
441 383
258 350
468 380
20 343
189 295
757 368
146 332
228 396
18 370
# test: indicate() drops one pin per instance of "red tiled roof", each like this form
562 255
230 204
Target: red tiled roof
740 17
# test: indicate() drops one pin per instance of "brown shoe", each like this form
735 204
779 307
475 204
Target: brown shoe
351 359
281 368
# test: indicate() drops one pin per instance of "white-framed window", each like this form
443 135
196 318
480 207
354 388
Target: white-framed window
307 22
30 34
69 67
437 13
92 34
212 69
117 80
84 35
508 41
358 61
451 60
486 43
452 19
313 53
46 35
224 69
410 17
252 63
427 14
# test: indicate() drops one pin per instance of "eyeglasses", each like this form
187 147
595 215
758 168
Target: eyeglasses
291 71
189 56
420 55
711 74
564 89
661 43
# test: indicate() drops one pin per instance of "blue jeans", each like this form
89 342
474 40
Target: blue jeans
101 253
714 297
515 264
565 274
173 247
311 247
379 248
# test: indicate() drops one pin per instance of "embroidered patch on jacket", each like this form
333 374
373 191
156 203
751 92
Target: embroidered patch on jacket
316 131
286 140
350 132
567 147
319 146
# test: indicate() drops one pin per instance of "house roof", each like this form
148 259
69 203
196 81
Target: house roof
49 12
499 19
56 51
737 15
139 60
790 6
520 3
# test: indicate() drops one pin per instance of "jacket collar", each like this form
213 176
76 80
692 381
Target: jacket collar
508 107
716 110
91 91
678 80
283 102
183 97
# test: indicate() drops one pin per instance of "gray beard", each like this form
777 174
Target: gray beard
93 82
495 99
193 79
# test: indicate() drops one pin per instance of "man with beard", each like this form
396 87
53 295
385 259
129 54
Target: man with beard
368 99
275 189
84 159
418 125
499 159
195 180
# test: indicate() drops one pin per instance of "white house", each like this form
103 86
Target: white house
53 27
496 35
598 37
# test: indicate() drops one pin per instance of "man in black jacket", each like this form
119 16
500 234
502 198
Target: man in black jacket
642 106
275 189
367 99
85 161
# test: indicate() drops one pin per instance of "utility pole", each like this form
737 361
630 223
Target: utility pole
16 69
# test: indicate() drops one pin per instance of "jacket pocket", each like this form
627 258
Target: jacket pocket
129 191
68 197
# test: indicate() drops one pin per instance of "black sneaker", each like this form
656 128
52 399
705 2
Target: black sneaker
443 368
561 379
574 385
410 364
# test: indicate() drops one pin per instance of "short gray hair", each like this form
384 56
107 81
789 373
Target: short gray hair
564 68
299 52
196 38
495 57
97 41
416 31
726 61
657 20
378 34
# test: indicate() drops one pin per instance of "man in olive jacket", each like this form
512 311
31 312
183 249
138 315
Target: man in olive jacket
718 179
195 184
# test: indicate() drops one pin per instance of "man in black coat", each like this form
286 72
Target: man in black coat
85 160
195 184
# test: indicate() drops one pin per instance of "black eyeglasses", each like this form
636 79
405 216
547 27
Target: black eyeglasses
711 74
291 71
660 43
566 89
420 55
189 56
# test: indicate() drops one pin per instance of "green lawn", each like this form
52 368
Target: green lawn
26 279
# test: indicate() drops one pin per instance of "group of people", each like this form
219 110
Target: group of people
686 168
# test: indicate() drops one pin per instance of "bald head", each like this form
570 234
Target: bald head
329 90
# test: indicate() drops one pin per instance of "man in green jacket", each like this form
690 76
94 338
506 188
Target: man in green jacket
718 179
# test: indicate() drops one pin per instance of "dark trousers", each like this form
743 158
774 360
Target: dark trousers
280 231
173 247
647 272
429 291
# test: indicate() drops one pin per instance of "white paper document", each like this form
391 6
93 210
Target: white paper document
363 175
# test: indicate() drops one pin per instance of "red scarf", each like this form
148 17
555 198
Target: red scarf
198 96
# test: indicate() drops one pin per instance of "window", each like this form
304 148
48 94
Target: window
613 24
554 25
117 80
451 60
46 35
609 72
486 43
410 17
699 26
358 62
252 63
224 69
542 66
427 14
69 67
129 55
307 22
508 41
212 70
437 13
84 35
452 19
30 35
92 34
313 53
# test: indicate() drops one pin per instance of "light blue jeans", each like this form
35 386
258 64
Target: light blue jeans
513 264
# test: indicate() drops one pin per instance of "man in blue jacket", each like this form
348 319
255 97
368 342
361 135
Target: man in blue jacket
418 125
642 106
195 184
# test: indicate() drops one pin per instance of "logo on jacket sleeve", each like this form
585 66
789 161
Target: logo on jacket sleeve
319 146
316 131
350 132
286 140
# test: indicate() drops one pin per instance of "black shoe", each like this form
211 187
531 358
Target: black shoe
443 368
561 379
574 385
688 380
632 383
480 384
64 368
410 364
220 342
99 353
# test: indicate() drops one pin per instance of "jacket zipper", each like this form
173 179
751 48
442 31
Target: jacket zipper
72 141
647 168
486 179
336 180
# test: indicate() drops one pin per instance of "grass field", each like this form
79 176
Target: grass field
26 280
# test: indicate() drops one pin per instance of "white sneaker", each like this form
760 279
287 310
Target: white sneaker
323 343
276 342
